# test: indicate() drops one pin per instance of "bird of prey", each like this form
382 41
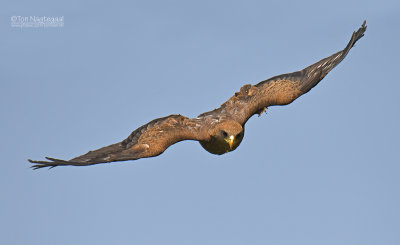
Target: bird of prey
219 131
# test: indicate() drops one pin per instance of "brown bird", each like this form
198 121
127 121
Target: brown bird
219 131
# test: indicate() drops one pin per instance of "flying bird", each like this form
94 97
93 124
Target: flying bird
219 131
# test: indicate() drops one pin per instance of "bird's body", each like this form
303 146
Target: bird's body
219 131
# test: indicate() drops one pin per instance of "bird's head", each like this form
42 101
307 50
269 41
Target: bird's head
225 137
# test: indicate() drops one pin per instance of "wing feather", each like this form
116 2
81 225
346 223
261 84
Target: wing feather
149 140
282 89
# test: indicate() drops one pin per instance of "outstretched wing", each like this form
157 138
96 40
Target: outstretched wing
149 140
282 89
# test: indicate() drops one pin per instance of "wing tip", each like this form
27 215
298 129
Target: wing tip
40 164
52 163
358 34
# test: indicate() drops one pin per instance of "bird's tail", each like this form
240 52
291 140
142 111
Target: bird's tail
317 71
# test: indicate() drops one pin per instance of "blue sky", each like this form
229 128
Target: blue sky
323 170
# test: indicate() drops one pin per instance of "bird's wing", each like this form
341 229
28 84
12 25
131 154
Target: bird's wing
149 140
282 89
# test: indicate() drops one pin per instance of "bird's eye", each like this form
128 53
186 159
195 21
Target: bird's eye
224 134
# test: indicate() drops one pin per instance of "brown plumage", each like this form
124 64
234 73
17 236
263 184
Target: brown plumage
218 131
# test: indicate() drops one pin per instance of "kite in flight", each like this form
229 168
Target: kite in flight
219 131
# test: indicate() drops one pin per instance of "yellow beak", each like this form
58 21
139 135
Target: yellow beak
230 141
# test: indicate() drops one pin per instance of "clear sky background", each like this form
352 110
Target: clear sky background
323 170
